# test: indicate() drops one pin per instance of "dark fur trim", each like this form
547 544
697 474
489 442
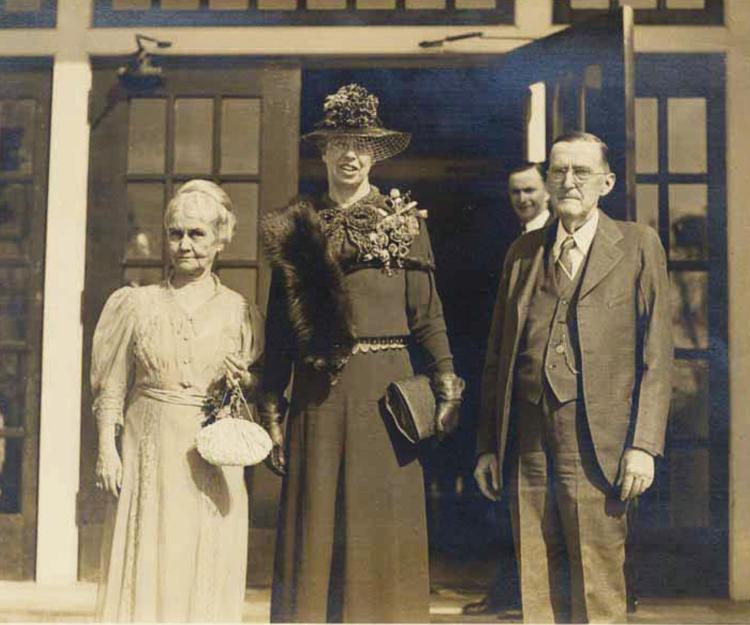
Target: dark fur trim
319 307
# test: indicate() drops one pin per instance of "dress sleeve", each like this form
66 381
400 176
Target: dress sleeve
424 308
252 328
280 350
112 363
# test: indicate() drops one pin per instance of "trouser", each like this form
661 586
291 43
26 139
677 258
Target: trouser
569 527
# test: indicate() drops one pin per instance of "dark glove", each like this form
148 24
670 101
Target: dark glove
448 389
272 419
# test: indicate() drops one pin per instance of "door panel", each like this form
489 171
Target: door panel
24 141
236 124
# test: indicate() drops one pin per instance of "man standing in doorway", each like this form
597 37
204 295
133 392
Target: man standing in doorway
576 389
528 196
529 200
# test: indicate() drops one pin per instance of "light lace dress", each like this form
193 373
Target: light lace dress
175 541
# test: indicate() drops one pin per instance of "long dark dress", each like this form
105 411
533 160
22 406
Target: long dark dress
352 537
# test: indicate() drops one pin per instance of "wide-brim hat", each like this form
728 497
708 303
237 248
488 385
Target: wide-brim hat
352 112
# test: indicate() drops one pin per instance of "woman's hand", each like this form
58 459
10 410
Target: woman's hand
109 469
275 460
448 389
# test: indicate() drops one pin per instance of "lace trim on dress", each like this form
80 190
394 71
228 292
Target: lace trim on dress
364 346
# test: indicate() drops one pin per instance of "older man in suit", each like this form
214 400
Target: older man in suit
575 391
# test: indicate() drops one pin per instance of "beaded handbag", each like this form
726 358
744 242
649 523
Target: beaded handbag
230 436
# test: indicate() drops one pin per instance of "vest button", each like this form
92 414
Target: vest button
551 365
564 302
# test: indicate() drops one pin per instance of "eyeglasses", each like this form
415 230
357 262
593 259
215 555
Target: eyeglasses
344 144
581 175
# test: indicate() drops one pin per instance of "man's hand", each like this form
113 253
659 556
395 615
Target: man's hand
487 475
636 473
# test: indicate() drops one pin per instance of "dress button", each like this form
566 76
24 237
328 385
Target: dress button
186 361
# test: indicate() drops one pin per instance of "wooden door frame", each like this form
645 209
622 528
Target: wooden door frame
30 78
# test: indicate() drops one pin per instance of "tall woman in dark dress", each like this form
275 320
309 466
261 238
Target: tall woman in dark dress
353 285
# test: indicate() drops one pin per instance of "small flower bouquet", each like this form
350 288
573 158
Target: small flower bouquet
394 233
230 436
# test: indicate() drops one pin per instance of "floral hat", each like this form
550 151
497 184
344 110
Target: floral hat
352 112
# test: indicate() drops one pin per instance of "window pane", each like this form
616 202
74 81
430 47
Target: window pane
11 385
646 135
180 5
240 135
376 4
689 482
227 5
15 205
244 246
11 459
589 4
690 309
688 221
475 4
17 135
686 4
647 205
425 4
20 6
194 124
686 128
141 276
639 4
129 5
277 5
145 221
14 279
147 136
326 4
689 412
242 280
12 316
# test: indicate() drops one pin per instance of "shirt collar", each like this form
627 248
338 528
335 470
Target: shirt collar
584 236
537 222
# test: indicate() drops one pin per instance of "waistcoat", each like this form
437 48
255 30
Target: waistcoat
548 349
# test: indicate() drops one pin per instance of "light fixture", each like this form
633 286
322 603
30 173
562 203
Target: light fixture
140 72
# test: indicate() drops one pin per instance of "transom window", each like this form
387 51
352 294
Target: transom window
646 11
28 13
290 12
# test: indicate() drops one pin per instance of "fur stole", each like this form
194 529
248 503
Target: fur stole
319 307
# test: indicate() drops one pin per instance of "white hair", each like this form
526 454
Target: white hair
200 194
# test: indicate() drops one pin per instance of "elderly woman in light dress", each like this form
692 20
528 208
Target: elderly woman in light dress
175 538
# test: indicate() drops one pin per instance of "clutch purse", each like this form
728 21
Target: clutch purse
233 442
410 404
230 436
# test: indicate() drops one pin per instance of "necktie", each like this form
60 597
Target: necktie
565 259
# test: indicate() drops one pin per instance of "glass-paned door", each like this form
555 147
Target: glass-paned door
24 141
680 146
234 124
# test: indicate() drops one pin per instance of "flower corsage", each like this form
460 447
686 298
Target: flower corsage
394 233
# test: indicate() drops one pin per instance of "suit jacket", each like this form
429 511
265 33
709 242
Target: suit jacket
624 329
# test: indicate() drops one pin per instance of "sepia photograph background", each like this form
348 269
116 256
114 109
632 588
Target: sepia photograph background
91 150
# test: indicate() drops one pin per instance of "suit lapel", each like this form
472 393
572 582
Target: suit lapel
603 255
528 271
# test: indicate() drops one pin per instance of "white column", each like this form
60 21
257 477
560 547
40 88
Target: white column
738 231
62 338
